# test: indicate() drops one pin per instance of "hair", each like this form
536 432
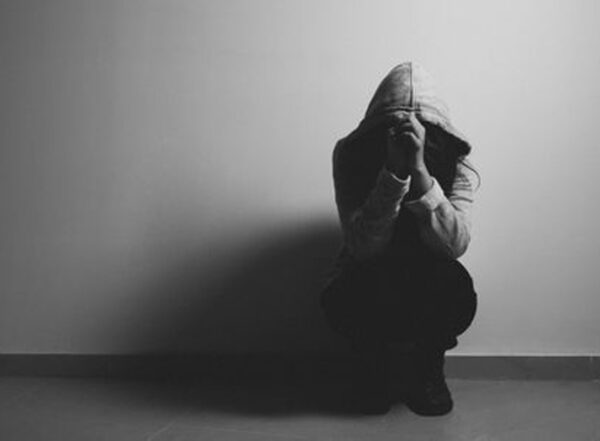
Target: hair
442 154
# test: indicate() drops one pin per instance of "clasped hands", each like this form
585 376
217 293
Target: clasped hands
405 143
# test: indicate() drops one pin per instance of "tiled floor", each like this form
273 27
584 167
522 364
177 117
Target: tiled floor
99 409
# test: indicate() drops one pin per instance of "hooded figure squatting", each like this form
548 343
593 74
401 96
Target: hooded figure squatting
404 193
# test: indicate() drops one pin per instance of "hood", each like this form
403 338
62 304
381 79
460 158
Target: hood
408 87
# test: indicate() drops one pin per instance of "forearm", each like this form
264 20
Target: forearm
368 230
421 182
444 223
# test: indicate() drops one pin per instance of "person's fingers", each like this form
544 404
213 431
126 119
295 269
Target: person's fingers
406 125
410 138
397 120
391 136
406 129
416 123
391 139
413 118
412 125
408 134
400 117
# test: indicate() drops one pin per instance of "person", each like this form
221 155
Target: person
404 193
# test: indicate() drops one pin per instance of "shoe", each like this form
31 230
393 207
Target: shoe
428 395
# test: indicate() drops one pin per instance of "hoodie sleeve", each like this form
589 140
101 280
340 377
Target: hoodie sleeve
367 220
445 222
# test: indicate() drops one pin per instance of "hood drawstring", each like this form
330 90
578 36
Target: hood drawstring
412 87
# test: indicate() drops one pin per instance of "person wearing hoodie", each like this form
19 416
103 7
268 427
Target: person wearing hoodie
404 193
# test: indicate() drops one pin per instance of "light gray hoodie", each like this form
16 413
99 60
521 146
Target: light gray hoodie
371 200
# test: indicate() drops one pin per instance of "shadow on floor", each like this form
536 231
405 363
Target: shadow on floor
250 397
262 298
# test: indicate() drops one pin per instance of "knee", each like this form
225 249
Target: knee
451 275
450 284
462 296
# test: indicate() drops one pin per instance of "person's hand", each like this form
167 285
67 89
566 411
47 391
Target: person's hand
411 134
396 160
405 145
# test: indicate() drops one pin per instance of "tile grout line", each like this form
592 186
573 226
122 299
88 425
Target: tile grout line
255 432
161 430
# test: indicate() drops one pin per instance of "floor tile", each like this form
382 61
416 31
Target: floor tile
93 409
68 409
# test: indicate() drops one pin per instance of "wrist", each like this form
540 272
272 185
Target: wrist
400 172
419 170
421 182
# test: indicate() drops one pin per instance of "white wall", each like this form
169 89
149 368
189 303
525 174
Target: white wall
165 170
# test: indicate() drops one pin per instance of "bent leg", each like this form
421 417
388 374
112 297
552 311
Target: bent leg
430 300
356 303
449 301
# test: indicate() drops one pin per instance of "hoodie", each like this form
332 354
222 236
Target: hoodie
375 217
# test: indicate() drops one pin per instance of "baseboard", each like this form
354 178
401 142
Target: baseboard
274 365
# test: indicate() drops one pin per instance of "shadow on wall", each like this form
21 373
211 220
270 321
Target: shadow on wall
260 296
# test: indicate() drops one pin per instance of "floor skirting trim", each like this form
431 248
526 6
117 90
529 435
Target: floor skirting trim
278 365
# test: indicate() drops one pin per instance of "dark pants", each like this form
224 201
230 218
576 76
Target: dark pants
418 301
